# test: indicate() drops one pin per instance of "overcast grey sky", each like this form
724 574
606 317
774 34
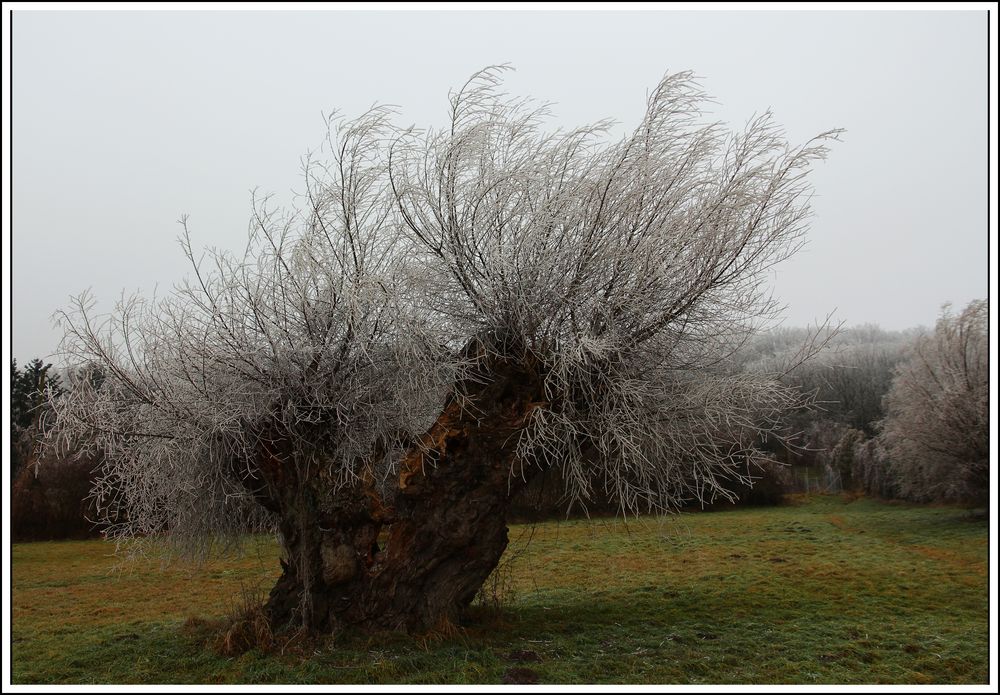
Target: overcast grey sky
124 121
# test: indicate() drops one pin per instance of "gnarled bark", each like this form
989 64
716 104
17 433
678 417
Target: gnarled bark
444 529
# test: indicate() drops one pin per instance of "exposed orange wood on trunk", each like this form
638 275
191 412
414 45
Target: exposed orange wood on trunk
446 519
433 442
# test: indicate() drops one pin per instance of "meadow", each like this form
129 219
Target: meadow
823 590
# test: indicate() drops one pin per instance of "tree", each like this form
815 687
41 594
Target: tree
936 430
28 400
447 315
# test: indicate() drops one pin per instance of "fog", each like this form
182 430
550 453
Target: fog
124 121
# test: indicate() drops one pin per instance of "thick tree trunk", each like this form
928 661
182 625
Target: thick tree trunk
444 530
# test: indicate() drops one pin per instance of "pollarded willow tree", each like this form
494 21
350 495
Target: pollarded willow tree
449 314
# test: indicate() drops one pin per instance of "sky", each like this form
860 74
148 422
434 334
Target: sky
124 121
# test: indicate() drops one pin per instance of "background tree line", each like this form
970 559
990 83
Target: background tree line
896 414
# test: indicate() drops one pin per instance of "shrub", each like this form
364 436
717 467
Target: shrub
871 472
842 455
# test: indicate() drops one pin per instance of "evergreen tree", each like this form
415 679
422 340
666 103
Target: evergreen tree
29 389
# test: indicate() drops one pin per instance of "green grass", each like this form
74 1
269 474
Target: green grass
823 591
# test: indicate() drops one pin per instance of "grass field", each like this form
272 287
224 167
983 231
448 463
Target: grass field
825 590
